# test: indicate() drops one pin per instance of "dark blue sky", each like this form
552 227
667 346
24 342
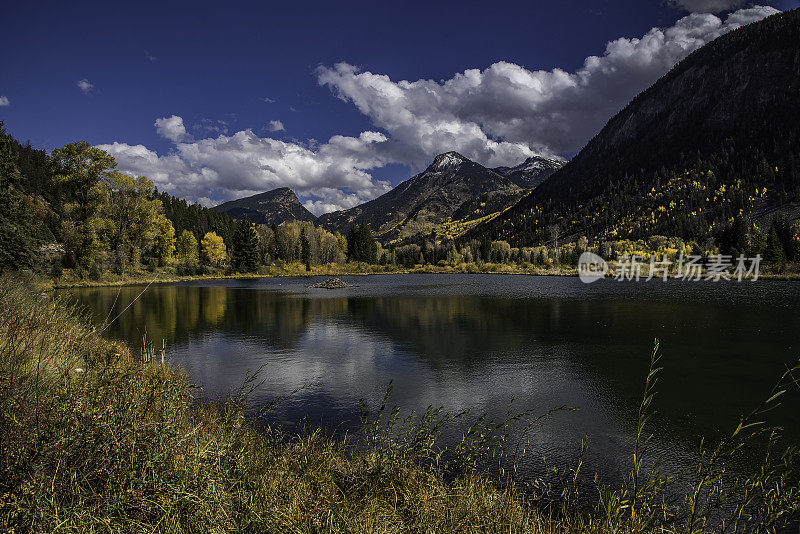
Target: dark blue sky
212 63
215 61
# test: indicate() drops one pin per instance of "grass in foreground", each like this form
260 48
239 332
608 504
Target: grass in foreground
92 440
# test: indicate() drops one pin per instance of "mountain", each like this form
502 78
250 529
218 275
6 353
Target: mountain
273 207
531 172
713 141
429 200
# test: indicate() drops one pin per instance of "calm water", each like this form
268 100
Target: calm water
476 341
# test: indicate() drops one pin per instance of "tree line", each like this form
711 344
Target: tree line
72 209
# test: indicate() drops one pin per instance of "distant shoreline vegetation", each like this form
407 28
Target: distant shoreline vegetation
297 270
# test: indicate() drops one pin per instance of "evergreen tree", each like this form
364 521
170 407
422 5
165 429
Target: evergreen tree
361 245
17 244
486 249
195 218
774 254
305 250
245 247
734 240
784 230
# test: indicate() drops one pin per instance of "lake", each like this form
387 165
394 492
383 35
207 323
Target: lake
477 341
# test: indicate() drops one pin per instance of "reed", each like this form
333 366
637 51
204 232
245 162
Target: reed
93 438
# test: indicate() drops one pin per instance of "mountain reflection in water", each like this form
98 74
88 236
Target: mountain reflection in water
477 341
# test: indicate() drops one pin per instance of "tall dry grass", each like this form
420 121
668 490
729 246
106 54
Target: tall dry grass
94 440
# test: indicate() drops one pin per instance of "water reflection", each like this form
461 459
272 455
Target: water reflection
477 341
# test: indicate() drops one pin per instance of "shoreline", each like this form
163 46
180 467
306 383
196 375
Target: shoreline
138 280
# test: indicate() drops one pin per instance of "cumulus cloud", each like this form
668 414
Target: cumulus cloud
4 101
708 6
172 128
331 176
496 116
507 112
85 85
275 126
267 100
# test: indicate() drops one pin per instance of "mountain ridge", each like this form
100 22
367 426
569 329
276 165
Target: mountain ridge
531 172
275 206
423 202
690 153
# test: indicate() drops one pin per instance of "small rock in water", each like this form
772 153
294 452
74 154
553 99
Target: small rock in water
331 283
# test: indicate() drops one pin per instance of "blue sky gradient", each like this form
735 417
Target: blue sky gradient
232 67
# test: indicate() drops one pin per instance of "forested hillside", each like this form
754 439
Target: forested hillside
709 153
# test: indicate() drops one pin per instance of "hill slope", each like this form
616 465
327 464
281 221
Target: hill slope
718 137
273 207
425 201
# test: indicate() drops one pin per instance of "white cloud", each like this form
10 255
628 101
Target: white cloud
85 85
172 128
275 126
267 100
506 112
332 176
497 116
708 6
4 101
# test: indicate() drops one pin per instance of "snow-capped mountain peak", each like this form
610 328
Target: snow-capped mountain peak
532 171
447 161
